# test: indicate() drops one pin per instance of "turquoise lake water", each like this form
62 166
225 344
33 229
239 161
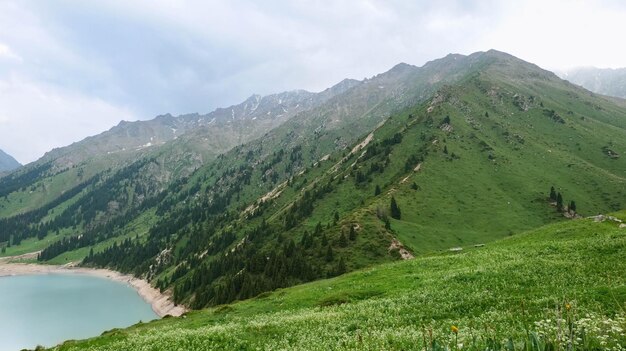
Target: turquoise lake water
48 309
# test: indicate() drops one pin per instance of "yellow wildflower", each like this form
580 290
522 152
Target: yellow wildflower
454 329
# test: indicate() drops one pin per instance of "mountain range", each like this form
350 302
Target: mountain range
606 81
299 186
7 162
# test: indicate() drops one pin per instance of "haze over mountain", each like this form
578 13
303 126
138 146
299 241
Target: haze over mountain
606 81
7 163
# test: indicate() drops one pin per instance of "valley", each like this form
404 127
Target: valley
375 214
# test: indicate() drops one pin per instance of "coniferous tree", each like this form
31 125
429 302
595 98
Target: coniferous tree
572 206
377 191
305 238
343 242
394 209
324 239
341 267
445 149
559 202
552 194
329 254
352 235
318 228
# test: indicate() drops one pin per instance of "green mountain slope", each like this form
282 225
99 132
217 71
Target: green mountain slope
47 182
180 144
466 147
559 285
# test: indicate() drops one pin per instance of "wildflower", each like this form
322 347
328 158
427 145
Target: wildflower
568 306
454 329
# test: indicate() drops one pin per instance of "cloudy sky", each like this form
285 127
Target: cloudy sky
70 69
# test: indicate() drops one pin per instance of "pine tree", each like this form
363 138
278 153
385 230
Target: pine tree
305 239
324 239
445 149
377 191
572 206
352 235
341 267
343 242
394 209
552 194
318 228
329 254
559 202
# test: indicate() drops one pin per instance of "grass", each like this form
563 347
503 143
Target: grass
34 244
558 285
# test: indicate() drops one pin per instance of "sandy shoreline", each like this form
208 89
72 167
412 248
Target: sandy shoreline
161 303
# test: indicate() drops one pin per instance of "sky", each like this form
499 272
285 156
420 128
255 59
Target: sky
70 68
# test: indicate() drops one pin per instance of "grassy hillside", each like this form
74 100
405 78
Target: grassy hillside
559 285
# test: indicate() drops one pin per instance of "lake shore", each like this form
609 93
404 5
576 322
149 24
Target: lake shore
161 303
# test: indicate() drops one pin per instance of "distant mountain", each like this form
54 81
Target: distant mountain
606 81
7 162
224 127
179 145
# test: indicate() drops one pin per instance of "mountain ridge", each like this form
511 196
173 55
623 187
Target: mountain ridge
7 162
605 81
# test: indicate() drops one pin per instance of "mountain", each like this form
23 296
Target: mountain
179 144
462 151
7 163
230 126
517 286
606 81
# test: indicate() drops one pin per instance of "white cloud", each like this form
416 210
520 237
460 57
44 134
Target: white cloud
146 57
562 34
37 117
7 53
